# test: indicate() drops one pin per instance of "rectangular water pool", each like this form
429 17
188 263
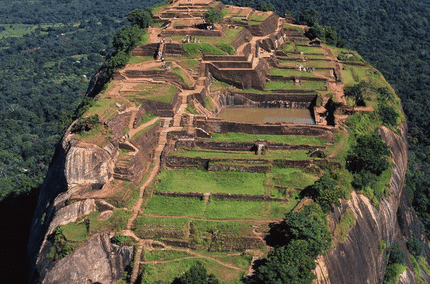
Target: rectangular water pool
258 115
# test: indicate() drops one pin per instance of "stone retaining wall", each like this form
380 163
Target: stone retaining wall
146 143
268 26
220 126
266 101
174 49
146 50
239 146
242 37
245 78
158 108
232 64
224 58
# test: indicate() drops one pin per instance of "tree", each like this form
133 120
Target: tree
197 274
325 192
310 16
287 264
369 154
267 6
140 17
214 16
127 38
327 34
309 225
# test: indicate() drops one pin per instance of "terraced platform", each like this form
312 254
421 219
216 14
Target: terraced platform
224 130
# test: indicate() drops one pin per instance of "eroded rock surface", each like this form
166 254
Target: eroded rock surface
358 260
98 260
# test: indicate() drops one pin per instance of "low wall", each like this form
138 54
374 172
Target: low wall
268 26
146 143
118 124
174 49
146 50
224 58
245 78
232 64
158 108
239 146
220 126
242 37
266 101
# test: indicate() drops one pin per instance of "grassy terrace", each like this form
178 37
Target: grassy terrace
217 209
290 72
309 49
230 34
206 153
289 85
287 139
154 92
193 180
166 272
279 182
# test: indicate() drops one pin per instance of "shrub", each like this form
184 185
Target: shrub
360 92
287 264
325 192
214 16
396 254
197 274
310 225
118 239
381 246
369 154
415 247
388 114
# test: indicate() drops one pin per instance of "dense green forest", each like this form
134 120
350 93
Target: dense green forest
49 51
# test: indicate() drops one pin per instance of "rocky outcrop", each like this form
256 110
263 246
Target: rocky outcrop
74 164
97 261
358 260
87 164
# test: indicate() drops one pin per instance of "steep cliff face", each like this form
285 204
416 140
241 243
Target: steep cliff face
74 163
358 259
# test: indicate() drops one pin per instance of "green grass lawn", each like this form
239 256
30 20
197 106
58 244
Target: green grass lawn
290 72
194 180
153 92
292 178
289 85
309 49
165 205
189 64
162 255
235 209
182 75
206 153
287 139
139 59
166 272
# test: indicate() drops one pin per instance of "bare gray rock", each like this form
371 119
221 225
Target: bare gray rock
98 260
